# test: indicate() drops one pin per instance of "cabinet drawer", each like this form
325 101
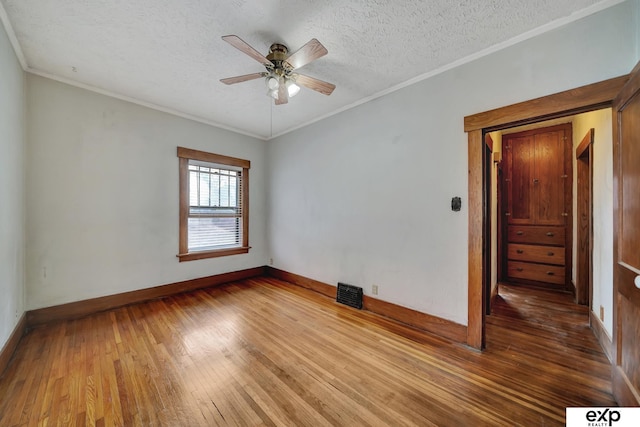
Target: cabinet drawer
539 235
537 272
536 253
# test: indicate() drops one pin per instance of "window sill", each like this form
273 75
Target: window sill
192 256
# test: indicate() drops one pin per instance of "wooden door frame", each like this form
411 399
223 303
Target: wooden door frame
584 206
623 390
488 151
580 100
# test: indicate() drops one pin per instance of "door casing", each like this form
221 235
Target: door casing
580 100
584 214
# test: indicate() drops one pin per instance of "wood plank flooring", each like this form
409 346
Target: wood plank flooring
264 352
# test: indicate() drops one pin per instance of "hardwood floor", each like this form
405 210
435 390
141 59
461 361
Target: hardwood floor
264 352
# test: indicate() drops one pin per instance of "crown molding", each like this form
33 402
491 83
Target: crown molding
598 7
485 52
11 34
137 101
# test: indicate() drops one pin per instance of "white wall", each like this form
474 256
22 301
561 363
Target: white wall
102 195
602 162
364 196
12 185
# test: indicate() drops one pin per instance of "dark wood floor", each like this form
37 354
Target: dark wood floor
263 352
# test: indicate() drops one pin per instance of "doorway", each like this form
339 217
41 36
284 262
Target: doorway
584 99
579 237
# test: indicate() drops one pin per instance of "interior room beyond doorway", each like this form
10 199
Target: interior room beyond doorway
600 280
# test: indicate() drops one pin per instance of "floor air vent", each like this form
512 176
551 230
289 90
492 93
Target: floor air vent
349 295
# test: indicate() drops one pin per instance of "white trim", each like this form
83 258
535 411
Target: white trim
142 103
8 28
23 62
485 52
492 49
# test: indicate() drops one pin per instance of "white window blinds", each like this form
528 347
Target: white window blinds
215 206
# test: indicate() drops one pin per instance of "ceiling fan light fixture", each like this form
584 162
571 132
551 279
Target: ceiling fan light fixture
292 88
273 93
272 83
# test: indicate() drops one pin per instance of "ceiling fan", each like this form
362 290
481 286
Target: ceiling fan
280 78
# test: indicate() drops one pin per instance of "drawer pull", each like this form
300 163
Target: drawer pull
550 253
550 234
519 233
520 251
550 273
519 268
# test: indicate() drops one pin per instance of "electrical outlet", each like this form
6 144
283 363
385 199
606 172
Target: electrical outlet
270 261
601 313
374 289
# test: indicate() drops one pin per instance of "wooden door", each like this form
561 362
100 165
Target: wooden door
537 181
538 207
519 153
626 247
549 177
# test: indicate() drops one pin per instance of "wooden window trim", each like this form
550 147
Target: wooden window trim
186 154
192 256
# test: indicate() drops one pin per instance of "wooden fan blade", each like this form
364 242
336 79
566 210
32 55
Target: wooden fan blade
315 84
307 53
283 95
243 46
240 79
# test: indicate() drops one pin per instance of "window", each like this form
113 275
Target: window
214 208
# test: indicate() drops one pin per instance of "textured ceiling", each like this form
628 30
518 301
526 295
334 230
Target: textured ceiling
168 53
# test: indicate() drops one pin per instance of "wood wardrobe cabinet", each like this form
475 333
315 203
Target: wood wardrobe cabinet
536 206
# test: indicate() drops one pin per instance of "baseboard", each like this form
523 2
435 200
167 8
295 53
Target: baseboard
601 335
12 343
426 322
84 308
302 281
623 390
433 324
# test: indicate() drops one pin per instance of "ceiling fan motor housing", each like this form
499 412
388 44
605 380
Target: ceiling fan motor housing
277 55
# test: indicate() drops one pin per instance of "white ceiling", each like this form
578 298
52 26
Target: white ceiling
168 53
